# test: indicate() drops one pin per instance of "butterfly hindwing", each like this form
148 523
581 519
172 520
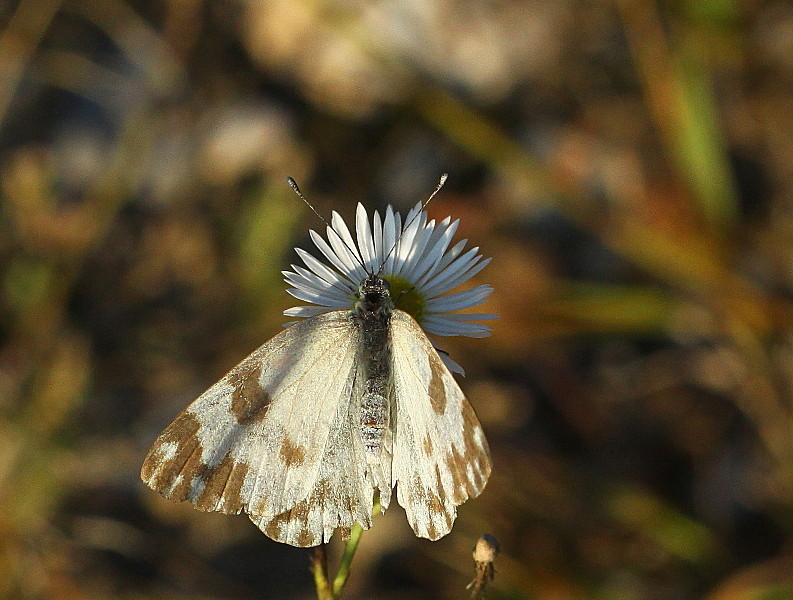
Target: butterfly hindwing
440 455
275 438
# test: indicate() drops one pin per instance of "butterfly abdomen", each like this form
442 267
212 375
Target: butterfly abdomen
374 421
374 427
375 409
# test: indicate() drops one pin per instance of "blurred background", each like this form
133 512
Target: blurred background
628 164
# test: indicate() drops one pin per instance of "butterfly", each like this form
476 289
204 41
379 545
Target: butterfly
343 404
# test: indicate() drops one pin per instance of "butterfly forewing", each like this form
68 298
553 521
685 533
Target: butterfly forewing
440 456
276 438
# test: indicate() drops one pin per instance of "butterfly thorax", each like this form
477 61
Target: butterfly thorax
372 314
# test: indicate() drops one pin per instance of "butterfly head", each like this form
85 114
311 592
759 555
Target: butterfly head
374 296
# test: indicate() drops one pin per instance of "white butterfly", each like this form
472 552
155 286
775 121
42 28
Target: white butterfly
301 433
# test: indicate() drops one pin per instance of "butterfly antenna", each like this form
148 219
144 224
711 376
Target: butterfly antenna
293 184
300 195
438 187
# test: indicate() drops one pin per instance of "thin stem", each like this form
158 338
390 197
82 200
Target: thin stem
344 566
349 552
319 568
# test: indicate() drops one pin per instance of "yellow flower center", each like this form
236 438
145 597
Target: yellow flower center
406 297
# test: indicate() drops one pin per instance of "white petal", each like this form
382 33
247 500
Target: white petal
453 253
464 275
364 234
439 283
305 311
377 234
438 325
313 297
345 250
447 258
418 248
436 246
329 253
407 246
340 227
465 316
475 330
343 287
450 364
389 239
458 300
297 281
322 272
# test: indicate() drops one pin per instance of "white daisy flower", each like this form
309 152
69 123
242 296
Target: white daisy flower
416 261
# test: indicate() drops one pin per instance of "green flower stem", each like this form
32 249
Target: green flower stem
319 563
319 567
346 560
349 552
